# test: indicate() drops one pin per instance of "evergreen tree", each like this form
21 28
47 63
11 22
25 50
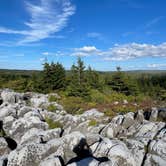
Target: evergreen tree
78 85
53 76
93 79
121 83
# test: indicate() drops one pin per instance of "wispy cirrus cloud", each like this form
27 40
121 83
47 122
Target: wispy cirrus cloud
153 21
46 18
95 35
123 52
146 28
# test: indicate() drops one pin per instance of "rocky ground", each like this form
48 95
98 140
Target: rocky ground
133 139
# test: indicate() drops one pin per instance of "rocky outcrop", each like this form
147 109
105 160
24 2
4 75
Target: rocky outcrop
26 137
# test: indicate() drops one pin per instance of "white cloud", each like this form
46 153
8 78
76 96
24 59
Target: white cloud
47 18
42 59
45 53
156 65
124 52
87 49
134 50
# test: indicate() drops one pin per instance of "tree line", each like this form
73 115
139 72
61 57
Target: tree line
80 80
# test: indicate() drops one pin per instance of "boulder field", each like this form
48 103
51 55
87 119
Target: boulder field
88 139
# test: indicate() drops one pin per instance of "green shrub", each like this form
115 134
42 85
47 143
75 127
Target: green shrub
2 133
51 108
124 110
53 124
52 98
110 113
73 105
93 122
98 97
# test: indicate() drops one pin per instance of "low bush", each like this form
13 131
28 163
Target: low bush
110 113
73 105
51 108
53 124
93 122
52 98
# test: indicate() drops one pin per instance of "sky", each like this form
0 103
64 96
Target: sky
104 33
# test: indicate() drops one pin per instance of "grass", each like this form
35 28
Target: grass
93 122
104 102
53 124
2 133
51 108
52 98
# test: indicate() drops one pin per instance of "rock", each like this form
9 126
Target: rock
7 111
92 138
90 161
7 123
162 114
118 119
128 120
73 144
10 96
40 136
39 100
92 114
125 102
3 160
51 161
115 150
154 114
20 126
154 160
147 131
111 130
137 149
116 103
3 147
132 139
139 116
158 147
32 154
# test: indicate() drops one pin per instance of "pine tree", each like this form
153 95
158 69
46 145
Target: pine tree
78 85
118 82
93 79
53 76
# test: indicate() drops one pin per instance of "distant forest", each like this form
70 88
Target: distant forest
88 85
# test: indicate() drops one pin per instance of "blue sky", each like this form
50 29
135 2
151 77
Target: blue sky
105 33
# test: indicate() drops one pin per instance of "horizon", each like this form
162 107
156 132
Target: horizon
105 34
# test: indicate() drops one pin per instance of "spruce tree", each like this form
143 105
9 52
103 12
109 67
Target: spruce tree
53 76
78 85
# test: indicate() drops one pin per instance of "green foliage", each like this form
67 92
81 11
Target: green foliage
2 133
52 98
94 80
51 108
18 85
92 122
162 94
124 110
73 105
98 97
110 113
122 83
53 76
84 89
78 86
53 124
